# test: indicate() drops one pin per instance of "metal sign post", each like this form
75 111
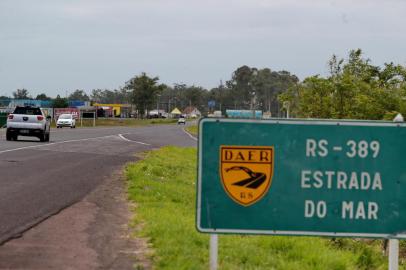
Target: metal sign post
393 254
85 115
213 251
394 243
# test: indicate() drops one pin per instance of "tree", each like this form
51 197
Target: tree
268 85
21 94
108 96
355 89
241 85
79 95
222 96
145 91
4 101
59 102
260 86
42 96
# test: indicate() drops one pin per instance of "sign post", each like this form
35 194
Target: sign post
394 243
393 254
213 251
303 177
88 115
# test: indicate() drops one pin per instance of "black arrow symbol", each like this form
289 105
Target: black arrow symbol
256 178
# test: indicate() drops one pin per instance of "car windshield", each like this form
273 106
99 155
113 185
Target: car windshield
65 116
28 110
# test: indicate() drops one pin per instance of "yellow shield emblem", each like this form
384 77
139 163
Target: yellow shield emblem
246 172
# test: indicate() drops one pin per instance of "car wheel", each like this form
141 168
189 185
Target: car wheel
15 137
8 136
42 138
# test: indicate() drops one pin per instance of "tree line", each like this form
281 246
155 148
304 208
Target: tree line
353 89
247 88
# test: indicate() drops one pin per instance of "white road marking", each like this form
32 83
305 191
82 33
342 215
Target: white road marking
128 140
48 144
190 135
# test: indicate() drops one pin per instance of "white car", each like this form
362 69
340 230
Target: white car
182 120
28 121
66 120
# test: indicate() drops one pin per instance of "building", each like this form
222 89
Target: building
192 112
113 110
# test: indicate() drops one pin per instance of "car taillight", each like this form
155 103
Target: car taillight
40 118
10 116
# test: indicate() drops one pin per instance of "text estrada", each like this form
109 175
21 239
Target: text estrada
341 180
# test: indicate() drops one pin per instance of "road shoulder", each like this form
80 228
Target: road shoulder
91 234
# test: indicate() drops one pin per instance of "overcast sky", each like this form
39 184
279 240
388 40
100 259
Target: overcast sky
57 46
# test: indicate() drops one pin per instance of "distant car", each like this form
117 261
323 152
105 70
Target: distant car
181 120
28 121
66 120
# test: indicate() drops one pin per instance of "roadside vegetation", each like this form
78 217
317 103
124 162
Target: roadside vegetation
354 89
163 186
125 122
121 122
192 130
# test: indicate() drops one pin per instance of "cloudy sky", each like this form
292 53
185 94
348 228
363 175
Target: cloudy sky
57 46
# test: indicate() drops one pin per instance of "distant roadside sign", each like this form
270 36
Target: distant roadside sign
88 115
211 103
292 177
74 111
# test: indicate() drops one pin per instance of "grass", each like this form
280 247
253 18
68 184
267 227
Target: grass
163 186
121 122
192 130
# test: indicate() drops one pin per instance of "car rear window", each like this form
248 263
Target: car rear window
28 110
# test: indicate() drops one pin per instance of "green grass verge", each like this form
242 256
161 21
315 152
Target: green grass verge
121 122
192 130
163 185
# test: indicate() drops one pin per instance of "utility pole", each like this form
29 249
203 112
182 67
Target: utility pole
286 105
253 101
157 104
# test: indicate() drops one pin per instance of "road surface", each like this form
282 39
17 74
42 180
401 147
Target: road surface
40 179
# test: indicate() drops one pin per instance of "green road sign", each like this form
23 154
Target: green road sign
308 177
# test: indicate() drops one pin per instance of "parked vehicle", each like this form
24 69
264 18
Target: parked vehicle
28 121
66 120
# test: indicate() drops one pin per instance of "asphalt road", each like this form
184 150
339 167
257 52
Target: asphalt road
40 179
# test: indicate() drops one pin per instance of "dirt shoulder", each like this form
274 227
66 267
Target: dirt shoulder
91 234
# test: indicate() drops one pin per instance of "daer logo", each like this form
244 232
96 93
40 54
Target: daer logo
246 172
